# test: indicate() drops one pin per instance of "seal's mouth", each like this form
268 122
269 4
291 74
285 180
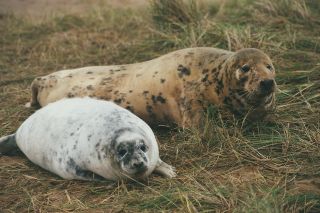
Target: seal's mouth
140 173
257 97
136 170
263 89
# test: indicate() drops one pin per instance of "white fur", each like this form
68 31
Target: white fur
71 128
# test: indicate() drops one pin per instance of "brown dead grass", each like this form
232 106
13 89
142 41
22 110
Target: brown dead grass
236 167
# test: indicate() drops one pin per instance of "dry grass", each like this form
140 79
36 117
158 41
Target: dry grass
236 167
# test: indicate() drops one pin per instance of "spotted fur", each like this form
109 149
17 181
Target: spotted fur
88 139
174 88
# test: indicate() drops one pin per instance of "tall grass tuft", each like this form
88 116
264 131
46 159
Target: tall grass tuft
173 15
296 10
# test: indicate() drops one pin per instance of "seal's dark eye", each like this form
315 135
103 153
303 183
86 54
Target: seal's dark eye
143 148
269 67
122 152
245 68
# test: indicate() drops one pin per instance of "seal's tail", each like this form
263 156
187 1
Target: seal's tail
8 144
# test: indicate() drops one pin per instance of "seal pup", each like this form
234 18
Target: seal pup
86 139
174 88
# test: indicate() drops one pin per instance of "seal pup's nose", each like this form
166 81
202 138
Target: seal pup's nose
138 165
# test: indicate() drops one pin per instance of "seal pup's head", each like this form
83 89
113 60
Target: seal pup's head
252 78
130 153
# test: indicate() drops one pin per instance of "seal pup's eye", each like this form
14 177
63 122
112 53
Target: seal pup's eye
122 152
143 148
269 67
245 68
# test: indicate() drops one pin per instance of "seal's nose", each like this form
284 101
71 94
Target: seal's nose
267 85
138 165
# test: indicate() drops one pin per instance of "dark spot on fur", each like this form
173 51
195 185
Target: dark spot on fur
60 160
97 150
107 79
243 80
89 137
158 98
183 71
69 76
103 150
161 99
116 92
145 93
130 108
72 166
205 78
162 80
219 86
130 91
152 115
118 101
154 99
90 87
205 71
72 133
70 95
138 75
149 109
75 88
89 72
214 70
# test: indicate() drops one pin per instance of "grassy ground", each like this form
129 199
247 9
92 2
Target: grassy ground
261 167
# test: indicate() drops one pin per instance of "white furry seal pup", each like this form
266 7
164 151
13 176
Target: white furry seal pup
86 139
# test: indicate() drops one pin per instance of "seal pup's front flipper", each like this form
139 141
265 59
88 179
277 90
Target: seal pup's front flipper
8 144
165 169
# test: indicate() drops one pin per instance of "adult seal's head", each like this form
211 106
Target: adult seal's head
252 82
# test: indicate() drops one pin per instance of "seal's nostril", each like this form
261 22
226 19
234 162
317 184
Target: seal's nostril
267 84
138 165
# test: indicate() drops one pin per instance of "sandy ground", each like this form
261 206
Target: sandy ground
42 8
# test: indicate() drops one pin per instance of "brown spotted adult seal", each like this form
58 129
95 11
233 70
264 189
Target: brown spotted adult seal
87 139
174 88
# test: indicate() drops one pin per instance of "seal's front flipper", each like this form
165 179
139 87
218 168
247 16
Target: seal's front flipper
8 144
165 169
